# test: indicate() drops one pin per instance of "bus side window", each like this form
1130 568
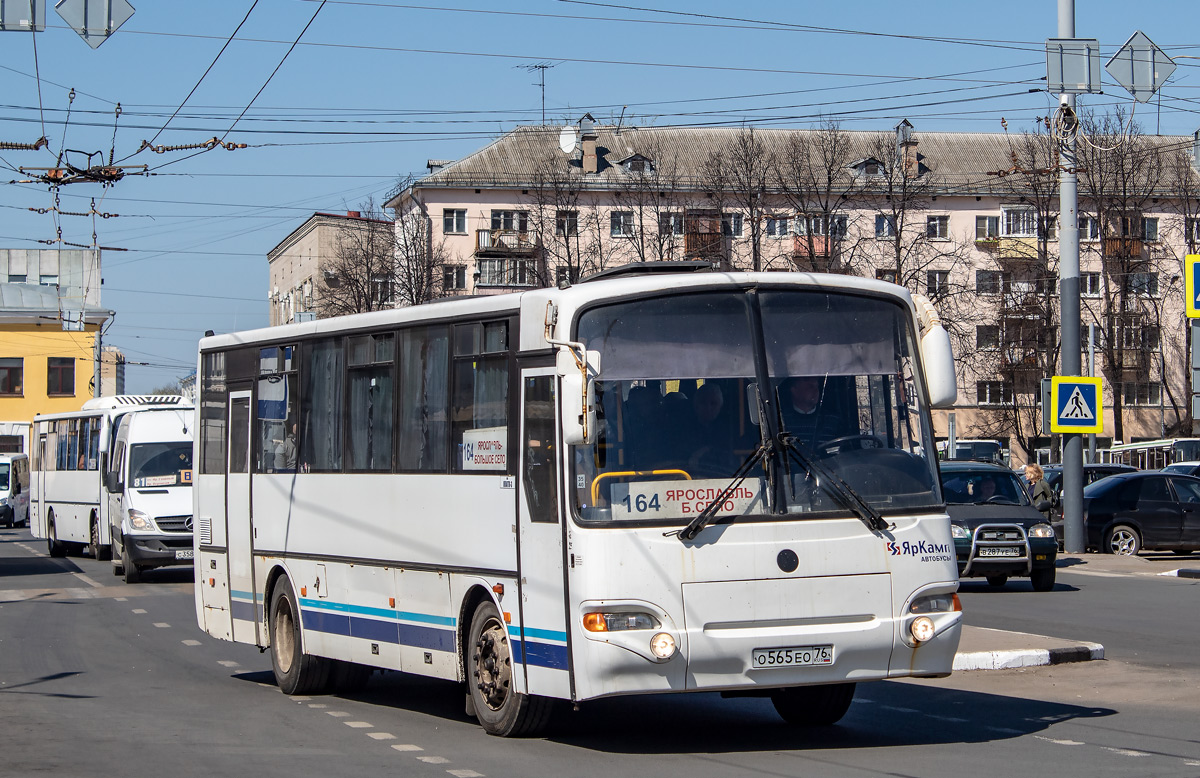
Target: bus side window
540 453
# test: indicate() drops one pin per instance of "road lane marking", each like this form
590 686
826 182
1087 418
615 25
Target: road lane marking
190 642
407 747
434 759
300 698
88 581
139 610
318 705
465 774
227 663
337 714
121 599
162 625
1125 751
381 735
358 724
1058 742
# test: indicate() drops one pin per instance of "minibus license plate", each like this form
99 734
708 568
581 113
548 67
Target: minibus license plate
1001 551
795 656
184 553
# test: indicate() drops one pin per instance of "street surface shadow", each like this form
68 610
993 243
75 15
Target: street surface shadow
34 565
1014 586
883 714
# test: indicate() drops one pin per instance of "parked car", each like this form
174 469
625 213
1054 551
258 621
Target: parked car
1183 468
1128 512
998 533
1091 474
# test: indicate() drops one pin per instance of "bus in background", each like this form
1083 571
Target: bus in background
638 484
71 452
1153 454
975 450
14 490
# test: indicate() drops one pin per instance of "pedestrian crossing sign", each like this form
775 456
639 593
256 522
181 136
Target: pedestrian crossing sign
1078 404
1191 285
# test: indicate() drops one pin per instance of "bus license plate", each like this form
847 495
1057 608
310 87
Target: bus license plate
796 656
1001 551
184 553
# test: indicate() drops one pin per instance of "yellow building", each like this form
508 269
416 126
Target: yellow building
44 368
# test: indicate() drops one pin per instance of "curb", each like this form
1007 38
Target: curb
1183 573
1028 657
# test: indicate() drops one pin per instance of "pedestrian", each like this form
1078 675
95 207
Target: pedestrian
1039 489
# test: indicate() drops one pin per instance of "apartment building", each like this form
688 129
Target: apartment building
969 219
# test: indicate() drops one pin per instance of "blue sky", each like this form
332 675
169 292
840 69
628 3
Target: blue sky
374 88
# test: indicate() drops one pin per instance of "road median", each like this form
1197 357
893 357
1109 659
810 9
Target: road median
996 649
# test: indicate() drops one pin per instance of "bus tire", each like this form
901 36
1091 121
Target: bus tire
114 553
132 573
488 663
98 551
813 706
54 546
997 580
295 671
348 677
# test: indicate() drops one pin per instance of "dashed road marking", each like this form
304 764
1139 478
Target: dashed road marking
190 642
1125 751
227 663
301 698
465 774
381 735
337 714
358 724
139 610
434 759
162 625
318 705
407 747
1059 742
87 580
121 599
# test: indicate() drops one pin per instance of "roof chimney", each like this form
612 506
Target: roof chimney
353 214
906 149
587 143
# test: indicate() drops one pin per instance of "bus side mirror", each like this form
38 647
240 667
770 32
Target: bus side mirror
578 395
937 357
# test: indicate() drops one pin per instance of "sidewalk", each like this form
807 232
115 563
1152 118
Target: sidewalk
996 649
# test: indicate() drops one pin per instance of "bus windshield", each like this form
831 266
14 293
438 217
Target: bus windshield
160 464
679 404
4 476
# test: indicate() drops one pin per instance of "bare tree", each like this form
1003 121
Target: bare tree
739 175
360 273
649 203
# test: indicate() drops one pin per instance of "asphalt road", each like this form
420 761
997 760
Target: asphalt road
98 678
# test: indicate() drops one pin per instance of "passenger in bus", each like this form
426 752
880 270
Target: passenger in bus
806 415
285 454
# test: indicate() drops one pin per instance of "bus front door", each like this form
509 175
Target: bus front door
543 619
244 602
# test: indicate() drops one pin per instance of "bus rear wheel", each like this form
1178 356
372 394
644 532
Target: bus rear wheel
54 546
98 551
500 709
813 706
295 671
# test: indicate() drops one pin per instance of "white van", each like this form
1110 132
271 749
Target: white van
14 490
149 491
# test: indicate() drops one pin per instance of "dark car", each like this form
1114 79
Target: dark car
1091 474
1124 513
1183 468
998 533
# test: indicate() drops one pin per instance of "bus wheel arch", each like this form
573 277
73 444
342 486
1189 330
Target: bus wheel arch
490 667
296 672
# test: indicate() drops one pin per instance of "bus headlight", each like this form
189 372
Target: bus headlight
936 603
140 521
922 629
663 646
959 531
618 622
1041 531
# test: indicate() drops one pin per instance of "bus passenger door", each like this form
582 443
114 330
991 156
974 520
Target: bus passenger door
243 600
543 598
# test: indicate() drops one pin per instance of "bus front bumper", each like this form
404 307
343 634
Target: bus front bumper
146 551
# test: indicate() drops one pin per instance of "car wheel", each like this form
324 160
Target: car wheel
813 706
1123 540
997 580
133 573
1042 579
500 709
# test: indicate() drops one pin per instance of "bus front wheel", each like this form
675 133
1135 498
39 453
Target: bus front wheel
501 710
813 706
295 671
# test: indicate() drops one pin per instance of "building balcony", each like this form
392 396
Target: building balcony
1123 247
705 244
814 246
504 243
1017 249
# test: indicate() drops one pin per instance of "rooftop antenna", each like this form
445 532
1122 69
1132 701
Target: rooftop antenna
540 68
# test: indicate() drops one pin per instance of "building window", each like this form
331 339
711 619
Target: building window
1145 227
12 376
731 225
454 277
987 337
1135 393
1089 284
937 282
566 223
506 272
670 223
885 226
777 226
992 281
1139 337
1192 232
1150 229
937 227
987 227
510 221
1089 228
1142 284
60 376
992 393
887 274
454 221
621 224
17 278
1020 222
48 280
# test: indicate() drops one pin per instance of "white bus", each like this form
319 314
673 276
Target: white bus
1153 454
541 495
69 504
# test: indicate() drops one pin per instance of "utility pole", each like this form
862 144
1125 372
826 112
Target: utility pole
1068 268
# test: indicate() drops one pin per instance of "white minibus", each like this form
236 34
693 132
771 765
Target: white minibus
14 490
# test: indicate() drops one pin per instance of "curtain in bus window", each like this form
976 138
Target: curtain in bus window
424 399
321 410
94 445
370 435
213 413
480 413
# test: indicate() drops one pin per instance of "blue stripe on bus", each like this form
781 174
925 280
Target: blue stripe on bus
542 654
544 634
243 610
385 613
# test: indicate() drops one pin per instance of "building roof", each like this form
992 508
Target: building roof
20 302
320 219
964 163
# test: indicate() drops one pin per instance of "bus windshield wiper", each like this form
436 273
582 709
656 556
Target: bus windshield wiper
705 517
837 488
